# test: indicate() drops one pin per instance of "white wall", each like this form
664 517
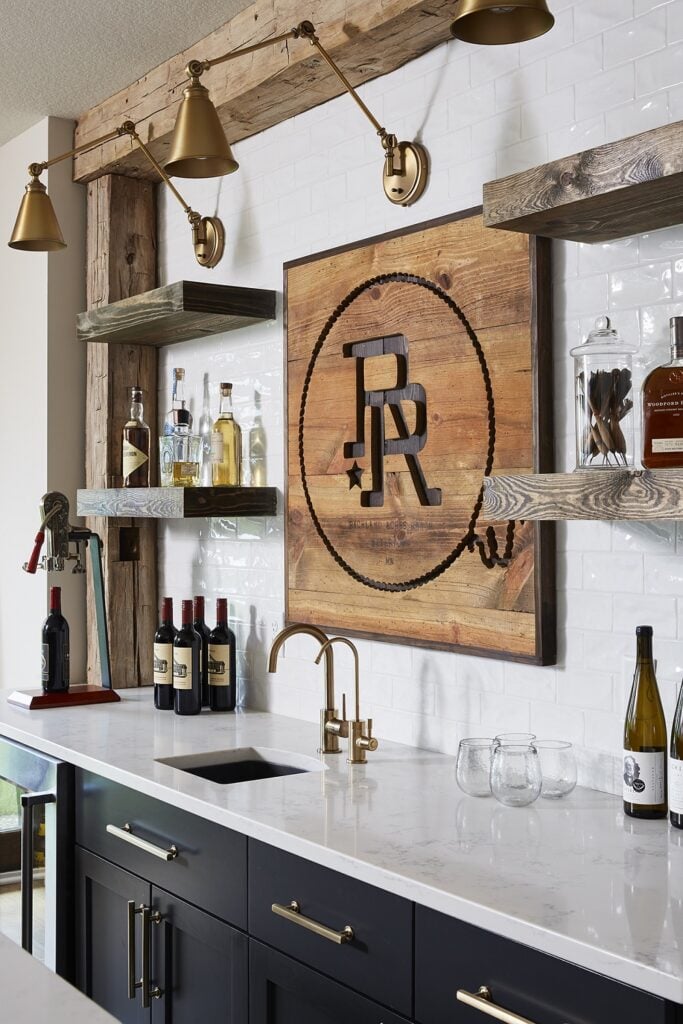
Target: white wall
42 395
609 68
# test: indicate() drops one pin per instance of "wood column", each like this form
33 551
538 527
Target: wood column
121 261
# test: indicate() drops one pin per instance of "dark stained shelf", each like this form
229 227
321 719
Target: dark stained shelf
176 312
177 502
619 189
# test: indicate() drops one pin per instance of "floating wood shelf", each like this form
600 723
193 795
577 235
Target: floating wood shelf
587 494
612 191
177 312
177 502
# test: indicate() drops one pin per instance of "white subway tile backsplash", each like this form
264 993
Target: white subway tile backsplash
605 71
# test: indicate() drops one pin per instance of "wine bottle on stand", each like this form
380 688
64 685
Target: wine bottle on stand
55 658
222 675
645 743
676 766
204 631
163 658
187 682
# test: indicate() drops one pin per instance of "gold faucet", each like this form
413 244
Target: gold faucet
359 732
331 726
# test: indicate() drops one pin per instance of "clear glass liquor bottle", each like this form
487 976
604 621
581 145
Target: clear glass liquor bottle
135 453
226 444
177 400
663 407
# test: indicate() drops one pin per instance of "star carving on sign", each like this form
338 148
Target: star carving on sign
354 474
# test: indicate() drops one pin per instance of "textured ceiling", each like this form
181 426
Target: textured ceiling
61 57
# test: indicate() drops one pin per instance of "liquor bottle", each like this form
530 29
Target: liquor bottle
186 451
676 765
163 658
226 444
177 399
187 683
257 447
135 460
55 674
222 676
663 407
645 738
204 631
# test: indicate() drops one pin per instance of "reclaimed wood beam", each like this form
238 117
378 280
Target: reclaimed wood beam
613 191
262 89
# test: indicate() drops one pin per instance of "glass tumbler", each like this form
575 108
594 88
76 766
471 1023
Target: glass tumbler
513 737
558 767
516 774
473 766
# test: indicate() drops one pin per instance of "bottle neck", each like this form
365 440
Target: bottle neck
644 649
187 613
56 600
676 354
136 411
222 611
199 610
179 394
226 406
167 611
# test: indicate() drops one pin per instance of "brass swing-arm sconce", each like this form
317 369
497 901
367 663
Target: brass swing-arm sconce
37 228
200 148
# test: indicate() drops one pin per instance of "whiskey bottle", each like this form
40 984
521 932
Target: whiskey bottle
226 444
663 407
135 454
222 674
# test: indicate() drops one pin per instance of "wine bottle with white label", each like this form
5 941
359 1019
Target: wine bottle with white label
187 679
676 766
645 741
163 658
222 682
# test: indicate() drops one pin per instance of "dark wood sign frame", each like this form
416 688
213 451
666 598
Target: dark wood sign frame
484 538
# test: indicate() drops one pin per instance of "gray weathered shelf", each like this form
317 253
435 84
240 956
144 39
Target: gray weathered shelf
587 494
619 189
177 502
177 312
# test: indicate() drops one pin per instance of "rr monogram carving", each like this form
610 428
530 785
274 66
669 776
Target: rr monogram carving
406 444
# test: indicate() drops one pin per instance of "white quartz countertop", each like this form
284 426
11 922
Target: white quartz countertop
574 878
30 992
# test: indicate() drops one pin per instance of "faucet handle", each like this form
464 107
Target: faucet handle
367 741
343 707
360 741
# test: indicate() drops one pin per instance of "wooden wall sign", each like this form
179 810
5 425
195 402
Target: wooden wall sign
414 370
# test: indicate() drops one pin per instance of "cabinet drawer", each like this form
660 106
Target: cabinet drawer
377 961
451 955
210 868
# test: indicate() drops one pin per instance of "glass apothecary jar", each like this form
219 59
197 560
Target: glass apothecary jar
603 384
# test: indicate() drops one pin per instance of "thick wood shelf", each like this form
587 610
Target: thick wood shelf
177 312
177 502
619 189
587 494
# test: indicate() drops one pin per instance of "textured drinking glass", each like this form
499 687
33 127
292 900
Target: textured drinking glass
514 738
473 766
558 767
515 774
166 460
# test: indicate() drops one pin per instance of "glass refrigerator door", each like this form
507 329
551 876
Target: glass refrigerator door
10 867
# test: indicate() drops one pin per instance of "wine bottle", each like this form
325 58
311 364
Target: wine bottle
645 738
222 677
204 631
55 674
676 765
187 682
163 658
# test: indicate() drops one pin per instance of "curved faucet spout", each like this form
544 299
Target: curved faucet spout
322 638
327 646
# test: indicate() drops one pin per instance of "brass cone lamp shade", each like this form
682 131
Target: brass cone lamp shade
199 148
37 228
496 22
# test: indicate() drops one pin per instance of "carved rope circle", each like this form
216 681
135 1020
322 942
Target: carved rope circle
469 539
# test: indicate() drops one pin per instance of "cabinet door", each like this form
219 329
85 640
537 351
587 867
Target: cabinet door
282 991
102 895
199 963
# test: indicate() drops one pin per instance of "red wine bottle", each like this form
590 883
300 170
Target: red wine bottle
203 630
187 682
163 658
55 675
222 680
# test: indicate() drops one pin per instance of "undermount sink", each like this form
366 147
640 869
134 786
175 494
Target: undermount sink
246 764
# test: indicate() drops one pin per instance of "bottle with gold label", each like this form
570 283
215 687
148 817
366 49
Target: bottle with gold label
663 407
135 455
222 676
226 444
163 658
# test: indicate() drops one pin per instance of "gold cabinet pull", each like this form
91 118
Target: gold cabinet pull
483 1000
126 834
292 912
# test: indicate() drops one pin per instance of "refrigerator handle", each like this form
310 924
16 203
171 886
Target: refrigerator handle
28 802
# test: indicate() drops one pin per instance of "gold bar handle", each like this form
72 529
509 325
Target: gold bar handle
483 1000
292 913
126 833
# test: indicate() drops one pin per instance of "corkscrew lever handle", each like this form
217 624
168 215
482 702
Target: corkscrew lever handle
32 563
